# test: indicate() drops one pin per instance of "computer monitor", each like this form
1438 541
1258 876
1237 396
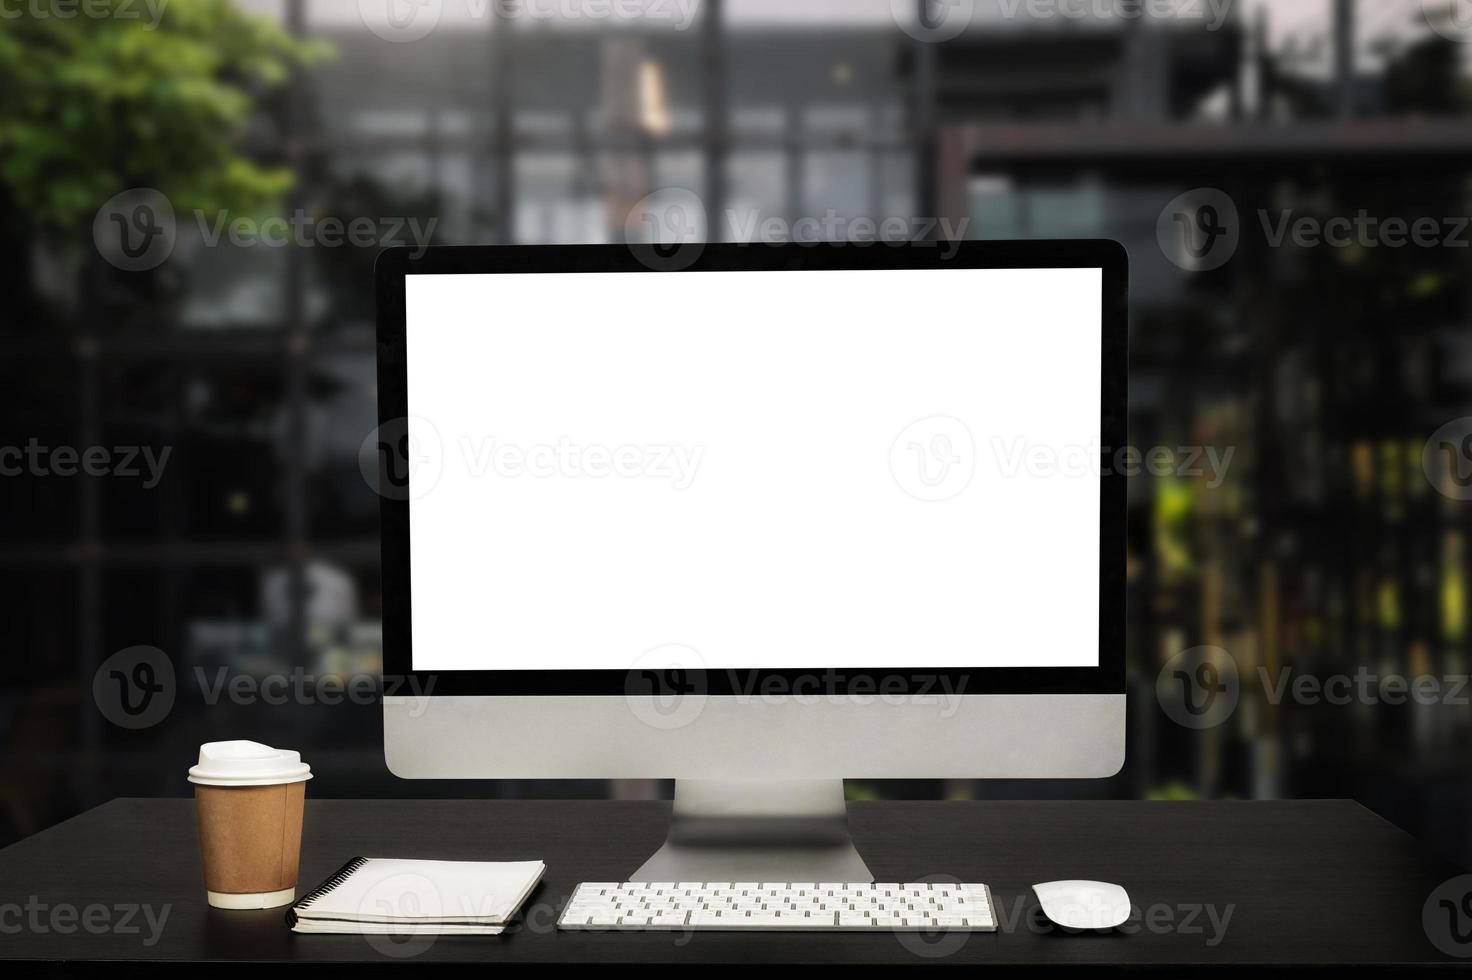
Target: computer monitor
778 516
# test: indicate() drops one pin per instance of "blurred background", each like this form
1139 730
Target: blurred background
144 148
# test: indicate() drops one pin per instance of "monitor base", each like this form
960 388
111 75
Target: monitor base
754 830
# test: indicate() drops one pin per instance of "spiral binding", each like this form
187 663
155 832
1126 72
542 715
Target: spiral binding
339 876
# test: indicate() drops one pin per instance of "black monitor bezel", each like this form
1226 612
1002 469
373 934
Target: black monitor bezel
1108 677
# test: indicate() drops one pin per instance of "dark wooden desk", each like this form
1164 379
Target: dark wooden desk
1304 883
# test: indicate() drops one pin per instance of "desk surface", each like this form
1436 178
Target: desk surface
1304 883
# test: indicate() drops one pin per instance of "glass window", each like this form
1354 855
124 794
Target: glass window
758 190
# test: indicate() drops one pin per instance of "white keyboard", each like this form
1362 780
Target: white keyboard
766 906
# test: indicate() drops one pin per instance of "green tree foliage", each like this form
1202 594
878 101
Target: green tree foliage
92 105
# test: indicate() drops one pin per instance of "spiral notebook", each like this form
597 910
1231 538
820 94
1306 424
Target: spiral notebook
390 896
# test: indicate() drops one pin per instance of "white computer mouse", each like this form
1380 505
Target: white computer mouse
1083 904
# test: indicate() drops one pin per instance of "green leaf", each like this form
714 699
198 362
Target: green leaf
93 106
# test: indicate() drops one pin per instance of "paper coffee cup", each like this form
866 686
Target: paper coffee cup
249 799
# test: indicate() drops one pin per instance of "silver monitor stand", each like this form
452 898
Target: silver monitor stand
757 830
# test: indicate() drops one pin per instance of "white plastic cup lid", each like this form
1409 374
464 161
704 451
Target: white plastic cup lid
242 763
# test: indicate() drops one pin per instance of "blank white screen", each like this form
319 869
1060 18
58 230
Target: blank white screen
811 411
